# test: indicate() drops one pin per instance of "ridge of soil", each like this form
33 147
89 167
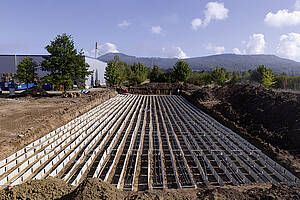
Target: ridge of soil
52 188
94 188
268 119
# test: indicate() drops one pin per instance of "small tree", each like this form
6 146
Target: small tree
235 78
263 75
64 64
113 74
155 74
218 76
268 78
26 71
181 71
139 73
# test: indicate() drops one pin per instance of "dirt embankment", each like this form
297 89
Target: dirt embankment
269 120
93 188
25 119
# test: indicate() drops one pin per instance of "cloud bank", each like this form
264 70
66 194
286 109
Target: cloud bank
102 49
174 52
289 46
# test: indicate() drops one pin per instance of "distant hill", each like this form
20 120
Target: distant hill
231 62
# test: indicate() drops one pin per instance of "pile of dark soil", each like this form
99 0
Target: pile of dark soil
35 92
270 120
94 188
51 188
248 192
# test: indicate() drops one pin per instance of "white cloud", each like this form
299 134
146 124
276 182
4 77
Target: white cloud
171 19
216 49
196 23
108 48
256 44
214 11
156 29
236 51
283 18
289 46
174 52
124 24
102 49
297 5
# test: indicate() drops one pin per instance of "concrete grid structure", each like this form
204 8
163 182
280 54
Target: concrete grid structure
145 142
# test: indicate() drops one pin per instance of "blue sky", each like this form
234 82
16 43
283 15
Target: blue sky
161 28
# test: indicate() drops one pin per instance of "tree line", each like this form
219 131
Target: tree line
119 73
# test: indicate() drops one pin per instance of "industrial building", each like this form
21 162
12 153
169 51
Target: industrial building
8 64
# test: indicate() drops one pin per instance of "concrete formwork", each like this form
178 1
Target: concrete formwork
144 142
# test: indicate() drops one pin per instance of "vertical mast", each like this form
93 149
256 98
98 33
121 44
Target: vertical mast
96 50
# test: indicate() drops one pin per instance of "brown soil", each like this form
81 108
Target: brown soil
25 119
51 188
269 120
93 188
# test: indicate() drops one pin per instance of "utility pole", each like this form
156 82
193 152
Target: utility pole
15 61
96 50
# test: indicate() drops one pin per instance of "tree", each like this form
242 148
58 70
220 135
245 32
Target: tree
218 76
268 78
26 71
81 70
282 81
113 74
235 78
139 73
64 64
155 74
264 76
181 71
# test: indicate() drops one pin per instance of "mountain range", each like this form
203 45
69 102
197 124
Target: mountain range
231 62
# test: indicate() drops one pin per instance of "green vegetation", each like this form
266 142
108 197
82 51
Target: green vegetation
139 73
113 74
181 71
284 81
118 73
65 64
26 71
264 76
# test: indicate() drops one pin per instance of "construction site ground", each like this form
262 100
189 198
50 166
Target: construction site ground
93 188
25 119
267 118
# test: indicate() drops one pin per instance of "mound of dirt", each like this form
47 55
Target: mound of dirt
249 192
51 188
35 92
268 119
94 188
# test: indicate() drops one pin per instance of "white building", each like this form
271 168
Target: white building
98 69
